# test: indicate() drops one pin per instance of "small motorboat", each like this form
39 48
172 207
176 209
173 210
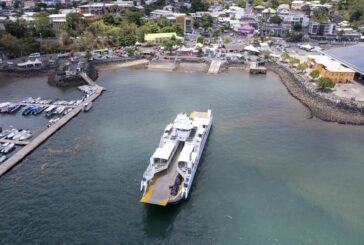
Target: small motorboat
3 158
87 106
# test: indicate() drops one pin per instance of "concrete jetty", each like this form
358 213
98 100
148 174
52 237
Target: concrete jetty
256 69
32 145
87 79
215 66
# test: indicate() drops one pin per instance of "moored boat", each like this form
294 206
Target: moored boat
2 158
87 106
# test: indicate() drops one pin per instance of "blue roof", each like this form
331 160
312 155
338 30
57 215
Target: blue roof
351 56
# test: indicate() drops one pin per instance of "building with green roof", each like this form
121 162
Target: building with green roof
156 38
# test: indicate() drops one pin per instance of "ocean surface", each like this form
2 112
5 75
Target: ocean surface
270 174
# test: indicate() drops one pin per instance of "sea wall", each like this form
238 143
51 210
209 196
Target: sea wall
321 105
74 80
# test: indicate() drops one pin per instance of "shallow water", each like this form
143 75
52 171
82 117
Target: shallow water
269 173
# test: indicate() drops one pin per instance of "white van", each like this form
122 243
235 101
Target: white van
34 55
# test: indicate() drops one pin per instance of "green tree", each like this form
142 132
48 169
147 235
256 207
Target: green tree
108 19
199 51
200 39
275 19
294 61
10 44
324 83
216 32
320 16
42 25
199 5
266 55
127 40
274 3
302 66
75 23
356 15
206 21
88 55
134 17
17 28
257 2
168 45
131 51
240 3
227 40
314 74
285 56
294 36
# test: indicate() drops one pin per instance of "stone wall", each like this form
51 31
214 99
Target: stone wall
76 80
321 105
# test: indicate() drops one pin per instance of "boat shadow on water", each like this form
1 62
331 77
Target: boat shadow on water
158 221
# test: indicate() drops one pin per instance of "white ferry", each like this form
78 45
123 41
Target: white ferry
172 167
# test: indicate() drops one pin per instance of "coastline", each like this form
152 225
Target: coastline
325 108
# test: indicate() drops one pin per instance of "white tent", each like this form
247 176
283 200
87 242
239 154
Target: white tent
251 48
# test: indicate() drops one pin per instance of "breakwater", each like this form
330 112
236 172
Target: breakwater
321 105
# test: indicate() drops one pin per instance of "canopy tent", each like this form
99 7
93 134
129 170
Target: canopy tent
251 48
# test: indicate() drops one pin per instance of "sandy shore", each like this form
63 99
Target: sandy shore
140 63
192 67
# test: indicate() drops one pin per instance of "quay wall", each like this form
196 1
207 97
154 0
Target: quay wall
321 105
75 80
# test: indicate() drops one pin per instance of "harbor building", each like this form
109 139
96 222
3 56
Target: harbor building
350 56
331 68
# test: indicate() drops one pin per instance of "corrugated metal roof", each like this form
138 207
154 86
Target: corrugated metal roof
351 56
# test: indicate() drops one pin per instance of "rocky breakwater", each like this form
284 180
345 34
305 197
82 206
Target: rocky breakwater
322 105
69 74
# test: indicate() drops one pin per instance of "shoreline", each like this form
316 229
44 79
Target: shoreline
327 109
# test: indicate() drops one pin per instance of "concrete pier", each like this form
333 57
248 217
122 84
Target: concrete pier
255 69
215 66
32 145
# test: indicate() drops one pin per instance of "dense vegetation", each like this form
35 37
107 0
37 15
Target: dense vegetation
352 10
81 34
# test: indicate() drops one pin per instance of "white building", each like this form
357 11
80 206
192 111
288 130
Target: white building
156 14
297 4
301 20
321 29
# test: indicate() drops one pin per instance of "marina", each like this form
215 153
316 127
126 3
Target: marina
67 110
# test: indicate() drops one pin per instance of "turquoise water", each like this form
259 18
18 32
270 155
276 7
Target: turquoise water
269 174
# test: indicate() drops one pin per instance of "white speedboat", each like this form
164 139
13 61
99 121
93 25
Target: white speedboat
2 158
172 167
87 107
